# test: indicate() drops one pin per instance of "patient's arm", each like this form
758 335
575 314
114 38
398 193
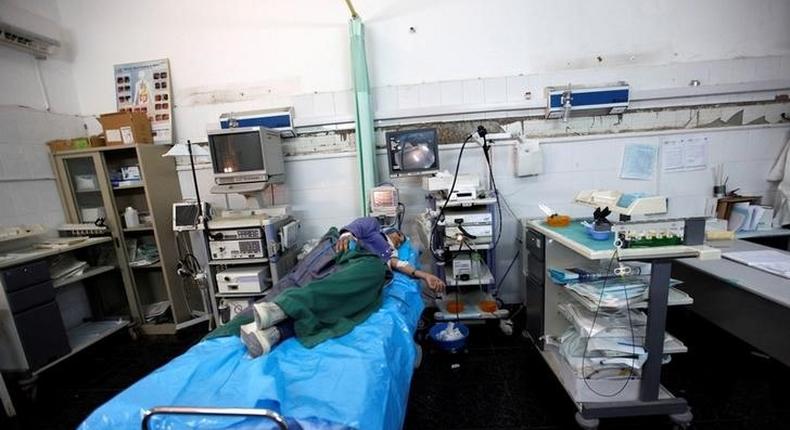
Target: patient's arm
433 281
367 231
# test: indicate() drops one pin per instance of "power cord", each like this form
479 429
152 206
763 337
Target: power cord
592 329
440 215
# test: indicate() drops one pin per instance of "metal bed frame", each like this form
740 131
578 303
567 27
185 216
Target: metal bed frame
238 412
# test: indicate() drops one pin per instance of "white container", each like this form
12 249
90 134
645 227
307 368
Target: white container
90 215
86 183
131 217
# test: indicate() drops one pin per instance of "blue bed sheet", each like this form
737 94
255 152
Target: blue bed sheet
360 380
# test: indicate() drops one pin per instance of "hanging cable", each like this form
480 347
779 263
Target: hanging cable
592 328
440 215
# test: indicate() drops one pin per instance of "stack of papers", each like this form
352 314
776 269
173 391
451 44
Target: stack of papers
774 262
745 217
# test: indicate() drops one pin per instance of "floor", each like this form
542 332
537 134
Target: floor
498 382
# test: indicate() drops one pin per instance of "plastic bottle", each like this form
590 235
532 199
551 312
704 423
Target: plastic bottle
131 217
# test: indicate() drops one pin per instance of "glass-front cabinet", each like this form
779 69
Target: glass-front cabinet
87 198
130 189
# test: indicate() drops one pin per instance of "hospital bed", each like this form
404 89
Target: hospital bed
360 380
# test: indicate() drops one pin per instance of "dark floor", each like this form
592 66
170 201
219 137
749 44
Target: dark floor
500 382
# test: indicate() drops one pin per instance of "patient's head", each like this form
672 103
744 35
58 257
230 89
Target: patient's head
394 235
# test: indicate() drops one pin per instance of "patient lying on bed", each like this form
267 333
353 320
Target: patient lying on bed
332 289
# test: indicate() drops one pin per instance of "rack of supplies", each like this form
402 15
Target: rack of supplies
593 333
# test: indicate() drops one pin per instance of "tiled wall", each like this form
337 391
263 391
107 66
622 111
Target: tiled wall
323 189
27 186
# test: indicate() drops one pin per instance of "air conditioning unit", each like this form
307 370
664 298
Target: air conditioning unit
565 102
280 119
27 32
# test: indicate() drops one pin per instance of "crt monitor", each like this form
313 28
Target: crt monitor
246 155
412 152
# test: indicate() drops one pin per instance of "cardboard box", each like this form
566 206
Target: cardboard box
97 140
123 128
59 145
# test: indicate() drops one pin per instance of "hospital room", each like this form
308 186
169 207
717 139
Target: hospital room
394 214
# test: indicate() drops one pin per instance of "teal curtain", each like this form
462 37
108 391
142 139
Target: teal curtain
365 136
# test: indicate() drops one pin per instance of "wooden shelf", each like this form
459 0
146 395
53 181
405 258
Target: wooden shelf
89 273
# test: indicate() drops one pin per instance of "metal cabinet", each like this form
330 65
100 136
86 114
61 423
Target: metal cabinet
90 190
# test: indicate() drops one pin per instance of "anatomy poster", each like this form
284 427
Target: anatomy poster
145 87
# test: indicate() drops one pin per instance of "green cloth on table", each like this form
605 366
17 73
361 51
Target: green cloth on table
333 306
328 307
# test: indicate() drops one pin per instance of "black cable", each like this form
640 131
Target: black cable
440 216
486 149
510 266
592 328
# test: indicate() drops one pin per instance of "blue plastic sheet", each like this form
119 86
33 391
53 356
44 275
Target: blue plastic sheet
360 380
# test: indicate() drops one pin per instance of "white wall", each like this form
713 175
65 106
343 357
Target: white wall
323 190
231 56
581 163
27 187
238 55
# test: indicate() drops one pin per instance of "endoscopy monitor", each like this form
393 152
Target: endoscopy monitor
246 155
413 152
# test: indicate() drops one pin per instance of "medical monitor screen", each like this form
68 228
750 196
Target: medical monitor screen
236 152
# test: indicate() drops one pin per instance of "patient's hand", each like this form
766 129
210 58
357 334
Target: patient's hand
343 242
434 283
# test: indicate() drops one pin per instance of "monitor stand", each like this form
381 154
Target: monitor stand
255 203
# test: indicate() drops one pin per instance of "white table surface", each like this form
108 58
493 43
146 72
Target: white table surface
766 285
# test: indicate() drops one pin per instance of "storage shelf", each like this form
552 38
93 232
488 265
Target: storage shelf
139 229
238 261
464 203
486 279
672 345
32 254
85 335
129 187
240 295
474 246
676 298
87 191
471 310
157 265
89 273
591 390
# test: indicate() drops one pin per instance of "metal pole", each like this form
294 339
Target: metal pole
656 325
351 9
242 412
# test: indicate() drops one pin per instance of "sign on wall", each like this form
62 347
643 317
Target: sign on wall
145 87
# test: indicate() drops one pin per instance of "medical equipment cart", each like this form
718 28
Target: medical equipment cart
469 290
277 252
99 184
566 247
